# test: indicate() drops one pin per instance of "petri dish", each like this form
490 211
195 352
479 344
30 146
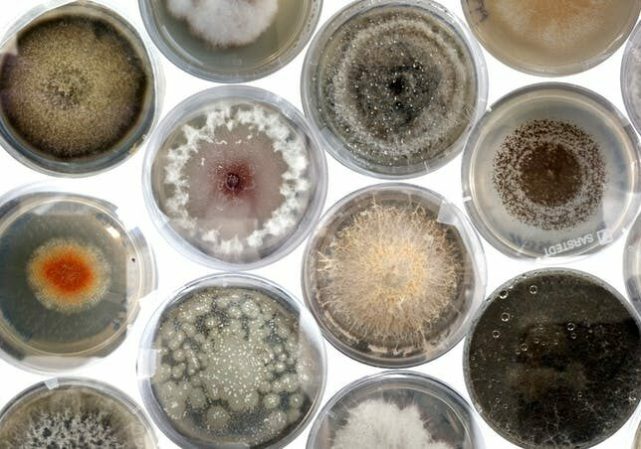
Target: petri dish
632 264
396 409
73 412
553 360
234 178
551 38
394 274
232 361
551 173
227 40
630 79
79 90
394 87
73 274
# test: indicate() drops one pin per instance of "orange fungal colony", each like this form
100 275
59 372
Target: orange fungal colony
68 276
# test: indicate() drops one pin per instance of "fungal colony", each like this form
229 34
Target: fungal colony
387 278
234 367
554 360
379 424
551 36
235 181
76 86
397 86
226 23
550 174
73 416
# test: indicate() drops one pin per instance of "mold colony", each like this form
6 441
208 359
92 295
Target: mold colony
391 275
66 413
237 364
236 177
394 87
77 90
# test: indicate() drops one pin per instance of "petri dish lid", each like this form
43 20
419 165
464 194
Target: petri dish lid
630 79
59 111
548 349
403 408
549 38
551 173
74 412
399 131
393 274
72 276
244 42
232 361
632 264
234 178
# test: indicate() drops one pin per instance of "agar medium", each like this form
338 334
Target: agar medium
234 177
232 361
393 274
79 90
72 276
551 172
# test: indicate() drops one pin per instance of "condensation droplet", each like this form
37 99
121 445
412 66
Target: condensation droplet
534 289
571 327
496 334
505 317
523 347
504 294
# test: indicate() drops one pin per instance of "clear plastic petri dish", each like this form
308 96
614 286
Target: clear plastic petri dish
554 360
394 274
551 38
394 87
632 264
74 413
396 409
630 78
72 275
79 90
552 172
232 361
229 40
234 178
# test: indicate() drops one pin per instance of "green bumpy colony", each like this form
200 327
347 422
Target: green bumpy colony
233 368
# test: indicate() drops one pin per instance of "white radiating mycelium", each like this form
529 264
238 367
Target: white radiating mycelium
226 23
379 424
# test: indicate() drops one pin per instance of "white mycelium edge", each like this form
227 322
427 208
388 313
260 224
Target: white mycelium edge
294 188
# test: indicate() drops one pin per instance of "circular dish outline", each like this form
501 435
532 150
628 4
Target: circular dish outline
139 137
332 143
176 117
469 238
145 358
471 148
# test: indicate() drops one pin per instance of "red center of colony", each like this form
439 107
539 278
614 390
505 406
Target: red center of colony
68 272
234 180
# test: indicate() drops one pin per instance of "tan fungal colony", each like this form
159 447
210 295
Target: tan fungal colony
233 367
391 276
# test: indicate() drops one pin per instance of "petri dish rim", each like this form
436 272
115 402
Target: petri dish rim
145 366
332 143
274 64
469 239
634 43
566 70
98 387
449 397
124 150
201 100
147 276
472 147
488 302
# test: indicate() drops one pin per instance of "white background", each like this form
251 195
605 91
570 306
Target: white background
122 186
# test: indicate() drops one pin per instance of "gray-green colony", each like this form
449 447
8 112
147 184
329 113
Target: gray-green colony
233 368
